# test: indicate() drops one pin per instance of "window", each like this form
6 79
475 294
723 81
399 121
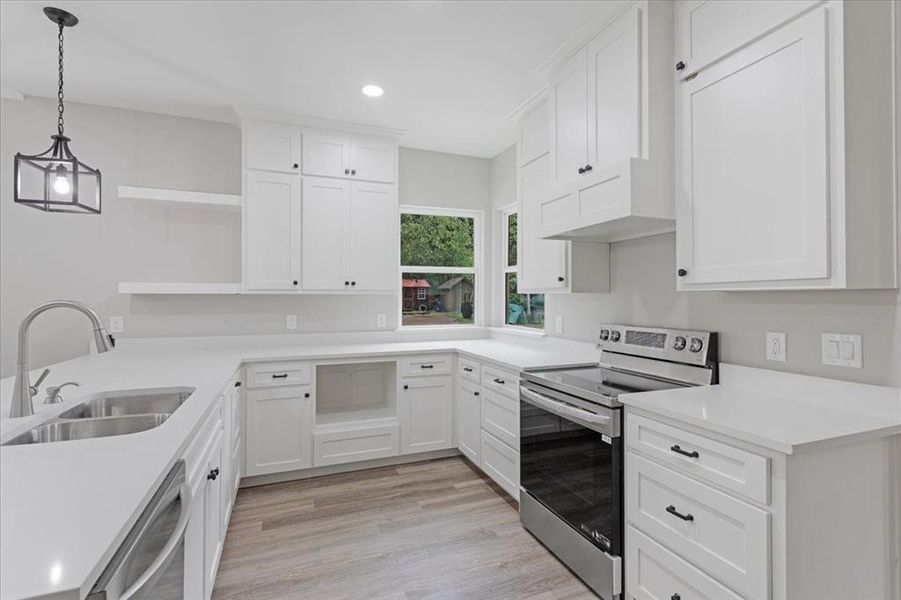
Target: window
439 257
525 310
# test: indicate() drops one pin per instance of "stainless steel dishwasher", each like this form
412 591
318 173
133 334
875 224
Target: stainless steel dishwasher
150 562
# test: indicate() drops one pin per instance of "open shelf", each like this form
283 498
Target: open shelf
179 288
354 392
180 197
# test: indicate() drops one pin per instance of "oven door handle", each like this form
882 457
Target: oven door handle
601 423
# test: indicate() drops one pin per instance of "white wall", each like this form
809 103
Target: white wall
83 257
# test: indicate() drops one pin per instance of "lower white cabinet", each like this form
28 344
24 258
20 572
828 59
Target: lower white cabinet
354 442
501 463
500 417
213 534
469 420
279 429
425 406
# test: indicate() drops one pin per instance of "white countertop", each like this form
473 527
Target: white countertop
779 411
65 507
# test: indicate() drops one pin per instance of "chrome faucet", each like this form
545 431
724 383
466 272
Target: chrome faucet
23 391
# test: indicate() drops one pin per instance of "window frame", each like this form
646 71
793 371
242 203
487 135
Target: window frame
505 213
476 270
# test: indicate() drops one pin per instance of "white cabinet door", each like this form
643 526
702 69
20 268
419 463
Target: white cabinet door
373 160
469 419
272 148
326 154
325 204
753 195
542 263
213 535
372 237
614 92
532 140
195 573
271 231
426 414
569 119
501 463
279 430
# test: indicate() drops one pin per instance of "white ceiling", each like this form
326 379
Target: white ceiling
452 71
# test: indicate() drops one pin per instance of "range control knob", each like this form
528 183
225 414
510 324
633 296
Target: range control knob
679 343
614 335
605 335
696 344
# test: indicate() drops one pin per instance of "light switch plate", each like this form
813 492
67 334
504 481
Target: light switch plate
843 350
558 325
291 322
775 346
381 320
116 324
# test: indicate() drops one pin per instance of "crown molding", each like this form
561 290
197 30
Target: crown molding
528 103
247 114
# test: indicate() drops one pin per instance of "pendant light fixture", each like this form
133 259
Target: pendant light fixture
56 181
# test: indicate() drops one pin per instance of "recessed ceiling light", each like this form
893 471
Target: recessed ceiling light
372 90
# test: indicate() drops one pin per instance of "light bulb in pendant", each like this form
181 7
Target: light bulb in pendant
61 184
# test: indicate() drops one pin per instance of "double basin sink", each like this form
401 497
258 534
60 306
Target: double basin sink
107 415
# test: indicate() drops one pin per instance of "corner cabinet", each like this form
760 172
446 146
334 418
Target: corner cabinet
783 121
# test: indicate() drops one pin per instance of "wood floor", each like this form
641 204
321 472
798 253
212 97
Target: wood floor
436 529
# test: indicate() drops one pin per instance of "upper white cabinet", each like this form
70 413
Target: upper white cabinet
783 113
531 139
271 231
349 235
271 147
610 132
336 155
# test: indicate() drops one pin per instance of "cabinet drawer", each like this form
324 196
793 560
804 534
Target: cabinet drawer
500 462
722 535
265 375
469 370
653 572
439 364
739 471
337 446
500 381
500 418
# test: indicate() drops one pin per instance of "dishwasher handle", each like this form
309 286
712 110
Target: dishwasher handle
165 556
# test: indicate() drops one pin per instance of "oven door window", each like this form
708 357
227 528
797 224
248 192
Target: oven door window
574 473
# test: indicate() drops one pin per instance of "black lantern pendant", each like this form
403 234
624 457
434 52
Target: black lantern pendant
56 181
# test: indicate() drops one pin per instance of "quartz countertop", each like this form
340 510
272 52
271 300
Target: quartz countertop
65 507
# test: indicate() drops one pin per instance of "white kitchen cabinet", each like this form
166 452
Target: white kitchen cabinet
279 430
500 462
355 441
272 230
469 420
500 417
532 134
213 535
425 408
569 142
272 147
231 457
342 156
350 233
781 126
195 571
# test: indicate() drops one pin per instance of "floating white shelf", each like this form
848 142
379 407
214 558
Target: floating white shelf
179 288
210 199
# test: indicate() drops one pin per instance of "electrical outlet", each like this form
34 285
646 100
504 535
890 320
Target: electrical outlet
843 350
775 346
381 320
558 325
116 324
291 322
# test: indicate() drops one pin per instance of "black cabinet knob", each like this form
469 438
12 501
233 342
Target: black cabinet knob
581 170
306 394
682 272
237 384
294 282
475 393
680 66
588 168
406 387
560 279
353 171
346 283
675 597
347 171
296 166
212 475
353 283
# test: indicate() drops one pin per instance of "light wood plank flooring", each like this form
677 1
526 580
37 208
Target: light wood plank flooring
436 529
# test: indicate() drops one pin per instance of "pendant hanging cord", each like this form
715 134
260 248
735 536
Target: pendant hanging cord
59 95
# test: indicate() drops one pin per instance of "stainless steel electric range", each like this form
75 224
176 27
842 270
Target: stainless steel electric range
571 443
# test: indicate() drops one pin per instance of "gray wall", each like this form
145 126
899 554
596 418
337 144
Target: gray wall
44 256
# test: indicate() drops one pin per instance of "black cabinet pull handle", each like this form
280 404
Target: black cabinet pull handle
467 369
588 168
672 510
475 393
306 394
213 474
347 171
498 381
679 450
680 66
682 272
675 597
426 366
280 376
581 170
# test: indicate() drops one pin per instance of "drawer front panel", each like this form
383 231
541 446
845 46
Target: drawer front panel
439 364
500 462
722 535
500 381
734 469
265 375
653 572
337 447
500 418
469 370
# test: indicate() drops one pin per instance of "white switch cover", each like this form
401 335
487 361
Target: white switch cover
843 350
291 322
381 320
775 346
116 324
558 325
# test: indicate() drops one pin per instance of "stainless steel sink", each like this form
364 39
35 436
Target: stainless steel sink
80 429
164 401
